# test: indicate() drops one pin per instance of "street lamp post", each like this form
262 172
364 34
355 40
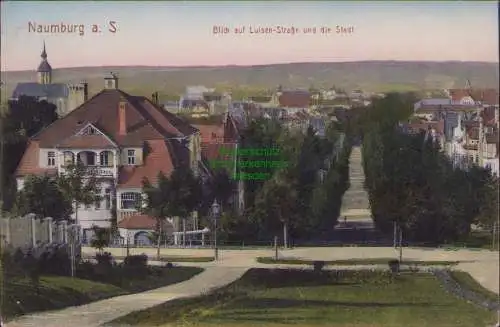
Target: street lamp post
215 216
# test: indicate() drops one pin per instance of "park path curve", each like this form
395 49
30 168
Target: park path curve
100 312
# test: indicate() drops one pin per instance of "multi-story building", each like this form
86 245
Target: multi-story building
471 125
121 139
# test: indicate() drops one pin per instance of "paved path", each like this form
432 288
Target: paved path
482 265
97 313
355 204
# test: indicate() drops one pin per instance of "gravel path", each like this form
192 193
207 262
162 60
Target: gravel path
454 288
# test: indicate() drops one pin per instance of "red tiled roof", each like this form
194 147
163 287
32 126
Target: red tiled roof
86 141
295 99
29 164
146 124
458 94
144 120
159 157
138 222
212 153
210 133
485 96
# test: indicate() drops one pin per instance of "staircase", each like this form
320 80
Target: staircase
355 204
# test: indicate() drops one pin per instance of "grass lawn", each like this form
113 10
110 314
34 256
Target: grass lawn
56 292
280 297
348 262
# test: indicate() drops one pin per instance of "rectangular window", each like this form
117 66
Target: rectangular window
130 200
105 158
131 157
98 202
107 198
51 158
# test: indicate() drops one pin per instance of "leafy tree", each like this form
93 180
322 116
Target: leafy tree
157 203
19 120
100 239
79 186
42 196
222 187
186 197
27 116
276 208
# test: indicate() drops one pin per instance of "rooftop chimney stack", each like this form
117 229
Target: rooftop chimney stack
85 91
111 81
122 118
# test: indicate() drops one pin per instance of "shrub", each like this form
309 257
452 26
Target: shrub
136 261
318 265
55 261
394 266
104 259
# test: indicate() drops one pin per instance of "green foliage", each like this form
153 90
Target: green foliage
79 186
19 121
54 203
101 238
409 180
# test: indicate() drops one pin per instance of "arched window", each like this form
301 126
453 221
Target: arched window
130 200
69 158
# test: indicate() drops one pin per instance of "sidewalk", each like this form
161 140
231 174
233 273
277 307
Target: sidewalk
97 313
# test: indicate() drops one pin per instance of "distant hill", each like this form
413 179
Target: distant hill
377 76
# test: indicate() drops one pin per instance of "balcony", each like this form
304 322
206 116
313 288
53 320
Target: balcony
99 171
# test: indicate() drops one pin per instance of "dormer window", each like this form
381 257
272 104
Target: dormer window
131 157
51 158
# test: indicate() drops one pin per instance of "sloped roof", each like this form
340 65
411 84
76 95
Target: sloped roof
485 96
41 90
160 156
138 222
87 142
44 67
295 99
210 132
212 153
29 164
144 120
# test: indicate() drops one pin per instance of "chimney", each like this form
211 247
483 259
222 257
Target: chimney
154 98
85 91
111 81
122 118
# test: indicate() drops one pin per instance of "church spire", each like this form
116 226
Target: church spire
44 53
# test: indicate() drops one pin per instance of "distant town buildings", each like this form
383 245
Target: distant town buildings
465 123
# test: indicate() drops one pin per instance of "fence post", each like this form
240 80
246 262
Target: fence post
32 220
7 231
64 232
48 220
276 248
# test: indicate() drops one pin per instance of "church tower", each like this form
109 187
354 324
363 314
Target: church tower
44 71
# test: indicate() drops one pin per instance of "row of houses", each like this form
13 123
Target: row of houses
465 123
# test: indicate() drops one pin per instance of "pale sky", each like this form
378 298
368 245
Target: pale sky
181 33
